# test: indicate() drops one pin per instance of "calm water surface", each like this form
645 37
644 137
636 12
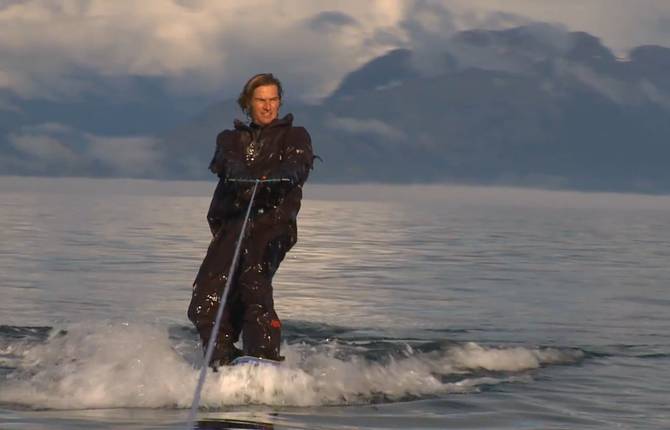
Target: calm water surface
404 307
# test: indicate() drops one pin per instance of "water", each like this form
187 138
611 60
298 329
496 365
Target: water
404 307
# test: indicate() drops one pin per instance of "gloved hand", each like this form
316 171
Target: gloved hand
272 193
287 177
238 171
241 190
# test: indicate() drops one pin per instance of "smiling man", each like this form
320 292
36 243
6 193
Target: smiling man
265 102
266 148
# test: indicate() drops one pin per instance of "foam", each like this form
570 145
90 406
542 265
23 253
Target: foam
125 365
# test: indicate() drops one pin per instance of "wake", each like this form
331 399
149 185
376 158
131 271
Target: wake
124 365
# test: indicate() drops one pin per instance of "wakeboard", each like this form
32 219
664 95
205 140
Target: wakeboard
254 361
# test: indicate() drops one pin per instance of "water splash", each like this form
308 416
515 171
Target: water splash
123 365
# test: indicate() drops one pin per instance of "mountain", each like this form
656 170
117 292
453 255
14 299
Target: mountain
532 105
525 106
71 136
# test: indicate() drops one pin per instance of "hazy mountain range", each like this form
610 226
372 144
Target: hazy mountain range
532 105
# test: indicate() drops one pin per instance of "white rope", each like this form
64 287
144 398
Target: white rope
219 313
224 297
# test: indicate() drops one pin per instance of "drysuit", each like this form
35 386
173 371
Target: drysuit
278 150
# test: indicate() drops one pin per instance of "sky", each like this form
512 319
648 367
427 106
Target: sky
212 46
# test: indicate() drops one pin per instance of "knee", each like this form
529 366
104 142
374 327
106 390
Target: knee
194 308
202 307
255 291
262 316
276 251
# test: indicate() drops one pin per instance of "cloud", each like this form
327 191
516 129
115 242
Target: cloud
427 26
631 92
622 24
372 127
199 46
617 91
49 47
8 105
654 94
52 146
44 148
331 20
126 155
513 50
434 30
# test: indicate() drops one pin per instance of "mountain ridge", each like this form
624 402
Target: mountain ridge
531 105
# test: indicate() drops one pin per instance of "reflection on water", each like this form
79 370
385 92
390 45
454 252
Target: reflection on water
390 257
496 267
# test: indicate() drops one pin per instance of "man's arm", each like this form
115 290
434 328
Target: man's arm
298 157
218 163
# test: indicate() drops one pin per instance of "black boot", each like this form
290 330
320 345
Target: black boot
224 353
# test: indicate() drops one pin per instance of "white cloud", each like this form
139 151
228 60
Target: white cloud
126 155
654 94
623 92
44 148
205 46
366 126
622 24
511 56
49 128
617 91
53 145
8 105
199 46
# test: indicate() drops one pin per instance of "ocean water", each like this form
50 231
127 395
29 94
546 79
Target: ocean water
404 307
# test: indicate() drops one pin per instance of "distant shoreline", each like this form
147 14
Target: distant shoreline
413 193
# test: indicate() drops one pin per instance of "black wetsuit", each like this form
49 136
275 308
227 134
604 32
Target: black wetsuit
277 150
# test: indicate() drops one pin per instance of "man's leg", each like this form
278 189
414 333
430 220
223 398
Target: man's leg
261 333
207 289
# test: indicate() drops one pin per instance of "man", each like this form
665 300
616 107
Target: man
267 148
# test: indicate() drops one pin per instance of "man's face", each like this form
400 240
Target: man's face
265 104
